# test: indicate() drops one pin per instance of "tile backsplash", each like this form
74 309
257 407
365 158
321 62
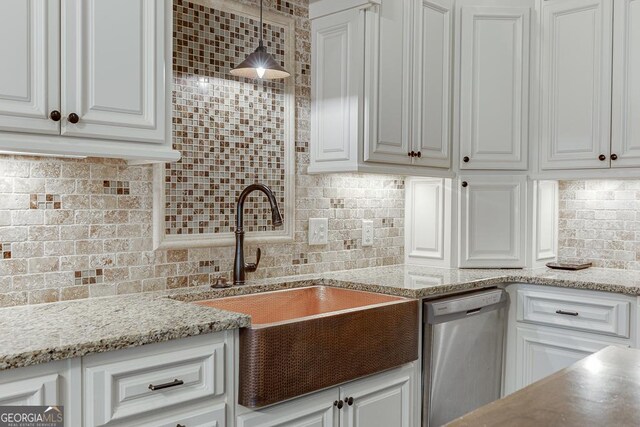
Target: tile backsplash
73 229
599 221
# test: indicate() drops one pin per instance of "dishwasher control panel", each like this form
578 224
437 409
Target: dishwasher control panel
471 302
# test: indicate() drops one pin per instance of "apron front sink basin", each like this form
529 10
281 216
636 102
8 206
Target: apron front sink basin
307 339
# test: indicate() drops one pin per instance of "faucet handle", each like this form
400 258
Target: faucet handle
253 267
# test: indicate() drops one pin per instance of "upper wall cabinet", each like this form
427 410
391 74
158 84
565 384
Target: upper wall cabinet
625 132
381 86
86 78
576 84
494 85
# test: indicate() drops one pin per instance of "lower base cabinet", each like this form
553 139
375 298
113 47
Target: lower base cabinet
389 399
542 353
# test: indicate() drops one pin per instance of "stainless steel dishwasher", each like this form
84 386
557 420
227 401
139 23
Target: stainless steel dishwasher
463 348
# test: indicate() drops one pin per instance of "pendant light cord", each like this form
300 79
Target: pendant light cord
261 25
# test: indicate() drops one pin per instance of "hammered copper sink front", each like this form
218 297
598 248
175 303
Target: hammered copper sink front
304 340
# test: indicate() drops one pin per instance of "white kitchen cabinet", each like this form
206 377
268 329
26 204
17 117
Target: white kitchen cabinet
576 84
384 400
625 130
428 220
50 384
541 353
336 59
388 399
113 69
550 329
180 380
30 74
388 82
432 83
493 218
495 53
380 91
87 78
315 410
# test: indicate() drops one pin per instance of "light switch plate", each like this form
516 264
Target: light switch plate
367 233
318 231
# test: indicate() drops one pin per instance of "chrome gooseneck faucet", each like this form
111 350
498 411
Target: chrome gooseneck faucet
239 266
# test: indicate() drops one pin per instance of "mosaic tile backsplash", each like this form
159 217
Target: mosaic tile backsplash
600 223
73 229
231 132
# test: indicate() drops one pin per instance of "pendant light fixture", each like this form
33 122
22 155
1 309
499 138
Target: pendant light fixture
260 64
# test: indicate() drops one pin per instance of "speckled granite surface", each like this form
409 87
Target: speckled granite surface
40 333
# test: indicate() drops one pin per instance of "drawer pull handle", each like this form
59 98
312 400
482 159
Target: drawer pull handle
567 313
173 383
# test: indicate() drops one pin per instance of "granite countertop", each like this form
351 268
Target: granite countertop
600 390
41 333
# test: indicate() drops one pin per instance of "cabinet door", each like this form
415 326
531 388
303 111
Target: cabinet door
540 353
316 410
494 87
576 84
30 71
337 64
625 133
428 223
493 221
114 58
387 82
432 83
383 400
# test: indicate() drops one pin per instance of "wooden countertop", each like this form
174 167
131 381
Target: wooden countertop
600 390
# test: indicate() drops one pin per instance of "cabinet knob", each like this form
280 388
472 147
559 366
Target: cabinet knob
55 116
409 154
466 159
180 425
614 157
602 157
419 154
349 401
338 403
73 118
465 184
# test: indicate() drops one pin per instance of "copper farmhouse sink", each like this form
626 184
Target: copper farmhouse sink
306 339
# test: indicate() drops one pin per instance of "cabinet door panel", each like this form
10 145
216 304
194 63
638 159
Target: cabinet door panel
315 410
494 87
492 222
576 83
335 92
114 69
432 118
30 71
387 82
625 133
382 400
540 353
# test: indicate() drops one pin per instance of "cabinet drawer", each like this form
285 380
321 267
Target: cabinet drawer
143 380
209 416
602 315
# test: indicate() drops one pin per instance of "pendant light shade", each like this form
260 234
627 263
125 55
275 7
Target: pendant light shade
260 64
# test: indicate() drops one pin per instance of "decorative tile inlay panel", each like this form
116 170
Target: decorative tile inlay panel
45 201
116 187
89 277
5 250
231 132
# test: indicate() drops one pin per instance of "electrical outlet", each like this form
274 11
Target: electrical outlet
318 231
367 233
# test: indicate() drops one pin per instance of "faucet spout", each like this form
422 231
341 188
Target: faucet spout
239 266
